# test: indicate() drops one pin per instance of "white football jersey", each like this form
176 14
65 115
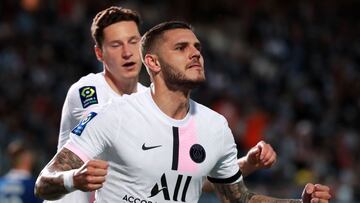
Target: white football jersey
90 92
152 157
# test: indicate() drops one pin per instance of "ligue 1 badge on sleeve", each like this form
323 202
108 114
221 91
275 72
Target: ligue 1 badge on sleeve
197 153
88 96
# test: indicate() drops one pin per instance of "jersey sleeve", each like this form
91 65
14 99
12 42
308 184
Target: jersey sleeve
94 134
74 111
68 120
226 169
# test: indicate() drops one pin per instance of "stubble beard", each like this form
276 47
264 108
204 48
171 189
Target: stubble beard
177 81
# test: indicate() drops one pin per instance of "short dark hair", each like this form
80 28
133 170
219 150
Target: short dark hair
150 37
108 17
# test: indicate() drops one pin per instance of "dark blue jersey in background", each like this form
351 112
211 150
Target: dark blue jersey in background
17 187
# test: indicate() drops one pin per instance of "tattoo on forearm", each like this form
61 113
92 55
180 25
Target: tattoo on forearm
50 187
234 192
262 198
238 193
65 160
50 184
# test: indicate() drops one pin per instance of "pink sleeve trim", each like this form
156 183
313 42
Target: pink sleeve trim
77 151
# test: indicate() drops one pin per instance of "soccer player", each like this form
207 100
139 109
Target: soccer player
158 145
18 184
115 32
116 35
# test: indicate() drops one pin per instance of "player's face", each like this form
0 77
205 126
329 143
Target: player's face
181 62
120 50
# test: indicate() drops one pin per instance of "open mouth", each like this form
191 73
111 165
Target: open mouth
128 64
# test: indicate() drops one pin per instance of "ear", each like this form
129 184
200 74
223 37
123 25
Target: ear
151 61
98 53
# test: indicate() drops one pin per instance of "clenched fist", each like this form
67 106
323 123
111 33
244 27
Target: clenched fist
316 193
261 156
91 175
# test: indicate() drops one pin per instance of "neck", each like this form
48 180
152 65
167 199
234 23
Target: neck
175 104
121 86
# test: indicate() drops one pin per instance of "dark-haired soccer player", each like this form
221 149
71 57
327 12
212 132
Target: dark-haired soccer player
160 144
116 35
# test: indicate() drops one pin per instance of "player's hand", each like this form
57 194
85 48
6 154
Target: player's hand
91 175
316 193
261 156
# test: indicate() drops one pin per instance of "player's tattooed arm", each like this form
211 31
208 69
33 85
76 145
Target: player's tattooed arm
50 183
238 193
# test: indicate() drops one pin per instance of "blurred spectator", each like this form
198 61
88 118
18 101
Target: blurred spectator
18 184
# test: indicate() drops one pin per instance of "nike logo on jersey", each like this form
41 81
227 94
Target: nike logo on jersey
151 147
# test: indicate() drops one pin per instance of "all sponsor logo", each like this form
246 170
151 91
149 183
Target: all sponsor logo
177 194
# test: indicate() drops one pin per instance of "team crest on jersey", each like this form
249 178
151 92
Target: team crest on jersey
88 96
81 126
197 153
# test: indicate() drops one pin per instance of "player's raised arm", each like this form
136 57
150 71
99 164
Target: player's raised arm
238 193
66 172
261 156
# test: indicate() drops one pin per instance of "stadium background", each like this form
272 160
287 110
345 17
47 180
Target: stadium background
283 71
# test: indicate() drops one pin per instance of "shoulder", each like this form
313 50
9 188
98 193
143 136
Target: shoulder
206 117
130 104
116 106
112 113
86 89
88 80
135 99
141 93
206 113
101 115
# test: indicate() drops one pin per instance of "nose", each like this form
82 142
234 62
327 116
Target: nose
195 53
126 52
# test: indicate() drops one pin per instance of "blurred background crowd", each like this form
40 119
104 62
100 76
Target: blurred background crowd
287 72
